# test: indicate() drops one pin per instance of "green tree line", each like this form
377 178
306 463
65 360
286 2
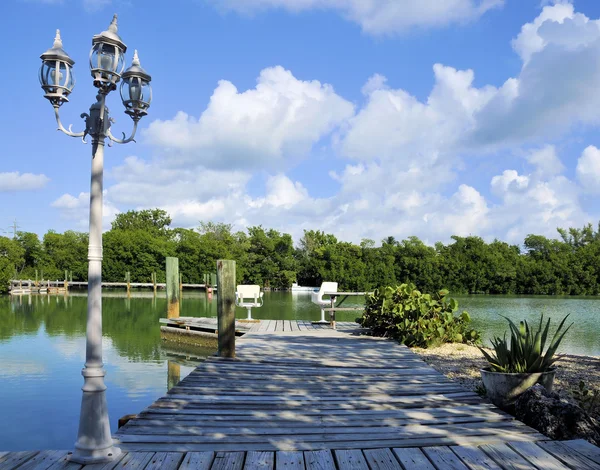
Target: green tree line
139 242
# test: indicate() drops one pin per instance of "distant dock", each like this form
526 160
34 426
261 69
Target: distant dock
28 286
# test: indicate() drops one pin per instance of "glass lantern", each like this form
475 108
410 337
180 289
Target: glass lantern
107 58
136 92
56 73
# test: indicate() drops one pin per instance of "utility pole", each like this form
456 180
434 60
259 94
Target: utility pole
14 226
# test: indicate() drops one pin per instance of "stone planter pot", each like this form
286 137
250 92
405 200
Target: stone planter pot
503 389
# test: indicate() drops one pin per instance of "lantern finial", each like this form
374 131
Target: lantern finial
113 24
136 59
57 40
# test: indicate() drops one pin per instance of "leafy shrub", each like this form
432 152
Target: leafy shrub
416 319
526 351
588 398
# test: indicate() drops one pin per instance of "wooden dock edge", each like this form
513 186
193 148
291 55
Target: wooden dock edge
191 337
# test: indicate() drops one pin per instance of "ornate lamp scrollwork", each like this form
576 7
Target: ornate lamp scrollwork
106 66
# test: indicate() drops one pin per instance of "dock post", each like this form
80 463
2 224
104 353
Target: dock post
66 284
36 278
332 313
128 279
172 287
180 282
154 282
226 307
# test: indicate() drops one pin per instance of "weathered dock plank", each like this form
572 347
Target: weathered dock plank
260 461
413 457
443 457
351 459
471 457
197 461
569 456
382 459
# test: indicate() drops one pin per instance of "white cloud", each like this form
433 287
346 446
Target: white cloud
281 191
374 83
377 16
557 86
555 90
588 169
509 181
138 182
529 41
77 209
282 117
16 181
467 214
546 161
397 126
536 203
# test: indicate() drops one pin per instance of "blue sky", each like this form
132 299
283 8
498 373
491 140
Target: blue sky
363 118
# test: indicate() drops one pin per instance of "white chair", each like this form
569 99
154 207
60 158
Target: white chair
252 293
317 297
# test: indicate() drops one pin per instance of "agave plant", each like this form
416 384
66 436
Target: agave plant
526 351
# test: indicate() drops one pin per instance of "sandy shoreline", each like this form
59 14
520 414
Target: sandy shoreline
462 363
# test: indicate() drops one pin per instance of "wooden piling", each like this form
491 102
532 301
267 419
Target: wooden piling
180 283
226 307
66 283
172 287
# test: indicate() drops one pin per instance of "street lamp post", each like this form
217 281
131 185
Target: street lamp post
94 442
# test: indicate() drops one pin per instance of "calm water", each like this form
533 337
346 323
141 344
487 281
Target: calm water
42 349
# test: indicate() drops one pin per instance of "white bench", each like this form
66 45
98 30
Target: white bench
248 297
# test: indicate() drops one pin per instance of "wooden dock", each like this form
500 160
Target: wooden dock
27 286
316 398
543 455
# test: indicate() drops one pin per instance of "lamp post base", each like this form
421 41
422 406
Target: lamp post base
94 441
88 456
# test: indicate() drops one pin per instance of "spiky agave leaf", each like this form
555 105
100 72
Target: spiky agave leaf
556 340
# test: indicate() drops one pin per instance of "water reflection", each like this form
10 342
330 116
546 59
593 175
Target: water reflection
42 346
173 374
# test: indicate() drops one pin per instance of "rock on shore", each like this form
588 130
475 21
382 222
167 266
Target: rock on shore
556 417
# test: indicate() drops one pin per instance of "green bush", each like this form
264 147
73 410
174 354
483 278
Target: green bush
525 354
416 319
